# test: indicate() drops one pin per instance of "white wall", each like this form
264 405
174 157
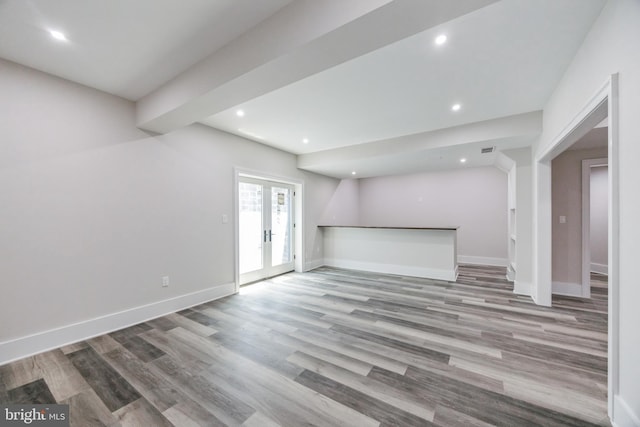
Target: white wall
95 211
598 209
611 47
566 190
474 199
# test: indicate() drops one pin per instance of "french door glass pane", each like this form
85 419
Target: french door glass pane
280 226
251 239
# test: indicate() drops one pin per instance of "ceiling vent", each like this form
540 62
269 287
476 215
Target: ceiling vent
487 150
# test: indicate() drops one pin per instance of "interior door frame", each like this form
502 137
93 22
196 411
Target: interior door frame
587 164
268 269
298 206
604 103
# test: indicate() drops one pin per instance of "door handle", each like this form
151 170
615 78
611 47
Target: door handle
270 234
265 236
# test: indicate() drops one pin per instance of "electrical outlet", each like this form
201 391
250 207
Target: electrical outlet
563 219
165 281
225 218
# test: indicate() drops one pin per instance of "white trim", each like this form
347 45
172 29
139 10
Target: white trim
599 268
625 417
587 164
542 247
568 289
586 119
522 288
482 260
54 338
299 235
613 247
268 269
313 264
403 270
603 104
504 163
581 124
236 228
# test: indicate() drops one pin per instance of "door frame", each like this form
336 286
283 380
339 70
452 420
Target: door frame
298 206
587 164
268 269
603 104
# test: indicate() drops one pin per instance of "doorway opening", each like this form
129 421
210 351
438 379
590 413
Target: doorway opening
268 226
604 104
595 217
577 234
579 208
265 218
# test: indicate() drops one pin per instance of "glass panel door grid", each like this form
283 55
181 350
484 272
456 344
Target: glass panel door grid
265 229
250 227
280 226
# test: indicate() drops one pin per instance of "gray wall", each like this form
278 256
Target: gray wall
94 211
344 207
474 199
566 194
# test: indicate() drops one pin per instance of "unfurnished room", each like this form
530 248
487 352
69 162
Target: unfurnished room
319 212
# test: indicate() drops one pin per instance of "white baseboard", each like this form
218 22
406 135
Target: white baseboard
522 288
483 260
623 415
599 268
404 270
48 340
313 264
567 289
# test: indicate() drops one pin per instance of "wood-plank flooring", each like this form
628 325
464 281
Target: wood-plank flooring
338 347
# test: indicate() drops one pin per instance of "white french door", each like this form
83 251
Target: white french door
265 229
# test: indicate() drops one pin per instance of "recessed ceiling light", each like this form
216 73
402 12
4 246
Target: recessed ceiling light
240 113
353 173
58 35
463 160
441 39
456 107
305 141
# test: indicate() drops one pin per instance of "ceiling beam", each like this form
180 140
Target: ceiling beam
506 131
302 39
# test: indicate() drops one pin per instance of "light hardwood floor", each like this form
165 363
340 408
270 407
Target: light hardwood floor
338 347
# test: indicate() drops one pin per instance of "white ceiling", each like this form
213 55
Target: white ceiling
437 158
502 58
124 47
